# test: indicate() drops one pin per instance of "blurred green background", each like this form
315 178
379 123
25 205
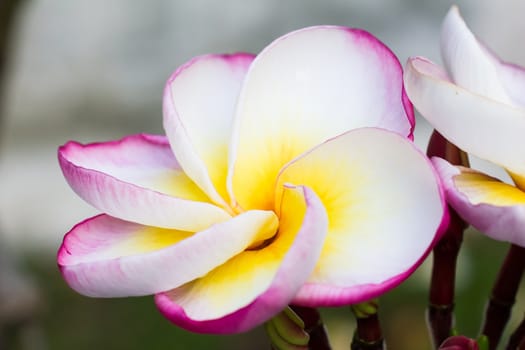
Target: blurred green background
95 70
62 319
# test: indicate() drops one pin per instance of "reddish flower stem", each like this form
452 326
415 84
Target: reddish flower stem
440 312
503 295
368 335
314 326
517 339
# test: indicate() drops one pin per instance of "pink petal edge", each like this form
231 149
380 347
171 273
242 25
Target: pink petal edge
235 59
180 139
378 46
129 201
90 267
512 77
390 56
318 295
502 223
322 295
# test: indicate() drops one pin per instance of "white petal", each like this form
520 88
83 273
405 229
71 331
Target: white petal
467 61
256 284
138 179
484 127
495 208
199 104
303 89
385 208
107 257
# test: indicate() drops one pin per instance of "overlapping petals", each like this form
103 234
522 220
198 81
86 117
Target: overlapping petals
107 257
288 177
199 103
303 89
257 283
373 242
474 67
138 179
477 104
495 208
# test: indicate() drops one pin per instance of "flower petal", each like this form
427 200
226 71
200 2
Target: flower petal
256 284
384 206
513 79
491 206
467 61
456 113
138 179
475 67
108 257
303 89
199 104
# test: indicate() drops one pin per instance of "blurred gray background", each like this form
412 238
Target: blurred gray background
95 70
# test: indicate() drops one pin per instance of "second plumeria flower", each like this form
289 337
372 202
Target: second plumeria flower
478 104
286 177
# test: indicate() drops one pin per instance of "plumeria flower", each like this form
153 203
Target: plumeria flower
478 103
286 177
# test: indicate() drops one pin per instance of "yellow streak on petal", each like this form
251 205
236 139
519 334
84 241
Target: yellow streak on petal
481 188
337 183
216 160
341 188
247 275
518 179
177 184
363 182
259 160
145 240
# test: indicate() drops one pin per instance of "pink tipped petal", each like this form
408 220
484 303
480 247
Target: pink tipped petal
467 61
475 67
256 284
303 89
491 206
513 78
385 210
199 104
108 257
456 113
138 179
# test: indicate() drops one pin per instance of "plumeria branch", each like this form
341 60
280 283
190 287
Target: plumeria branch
368 334
503 295
440 312
517 339
314 326
297 328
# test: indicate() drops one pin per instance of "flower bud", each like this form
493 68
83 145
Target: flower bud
459 342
